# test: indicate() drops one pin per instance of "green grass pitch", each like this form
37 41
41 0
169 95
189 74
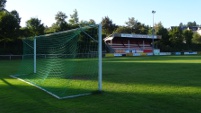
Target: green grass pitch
155 84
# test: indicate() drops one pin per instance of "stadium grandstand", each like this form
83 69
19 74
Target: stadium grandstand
130 43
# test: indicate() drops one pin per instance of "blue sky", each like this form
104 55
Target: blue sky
169 12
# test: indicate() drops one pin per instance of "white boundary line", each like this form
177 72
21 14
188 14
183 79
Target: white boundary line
35 86
66 97
73 96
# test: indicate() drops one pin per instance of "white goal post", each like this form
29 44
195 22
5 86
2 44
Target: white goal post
35 44
100 57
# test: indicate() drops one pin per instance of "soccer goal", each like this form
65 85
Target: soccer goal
64 64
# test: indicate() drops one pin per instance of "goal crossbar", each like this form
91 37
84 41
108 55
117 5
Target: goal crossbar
51 69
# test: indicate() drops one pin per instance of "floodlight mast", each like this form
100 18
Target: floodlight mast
153 12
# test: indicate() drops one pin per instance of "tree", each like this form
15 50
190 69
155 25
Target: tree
122 29
61 23
16 15
108 26
91 21
191 24
141 28
188 35
25 32
157 27
164 42
136 27
176 38
60 18
196 38
165 37
131 23
9 26
181 25
2 4
9 32
87 23
35 27
74 18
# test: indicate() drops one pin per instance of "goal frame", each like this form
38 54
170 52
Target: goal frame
99 65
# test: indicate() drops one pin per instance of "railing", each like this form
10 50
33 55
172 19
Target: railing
80 55
10 57
111 50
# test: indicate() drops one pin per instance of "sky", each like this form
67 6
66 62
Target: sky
168 12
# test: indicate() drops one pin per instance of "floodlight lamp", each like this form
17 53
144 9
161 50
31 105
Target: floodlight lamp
153 11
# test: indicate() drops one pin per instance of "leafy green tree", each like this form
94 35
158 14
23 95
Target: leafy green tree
181 24
165 37
35 27
136 27
176 38
108 26
61 23
87 23
164 43
196 38
91 21
176 35
60 18
16 15
84 22
9 26
122 29
131 23
25 32
188 35
191 24
2 4
74 18
52 29
141 29
9 32
158 27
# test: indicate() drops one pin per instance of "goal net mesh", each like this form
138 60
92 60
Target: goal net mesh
66 62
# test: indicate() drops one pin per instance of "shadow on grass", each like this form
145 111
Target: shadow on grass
6 82
178 74
125 99
21 97
25 98
152 103
20 92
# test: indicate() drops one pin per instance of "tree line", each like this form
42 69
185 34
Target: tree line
11 33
